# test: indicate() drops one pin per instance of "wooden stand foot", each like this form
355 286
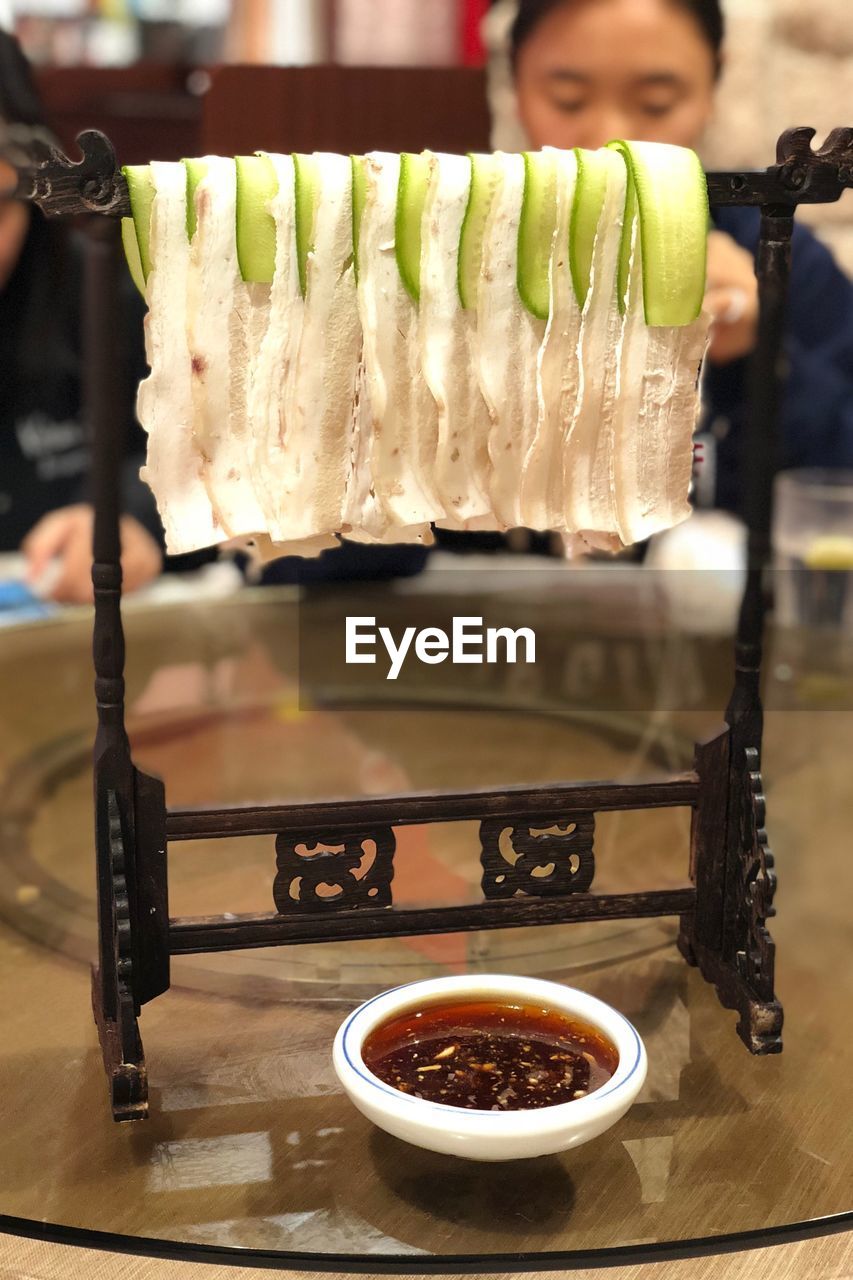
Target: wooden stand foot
732 867
760 1021
124 1060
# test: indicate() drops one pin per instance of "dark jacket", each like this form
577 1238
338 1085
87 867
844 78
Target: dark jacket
44 449
816 427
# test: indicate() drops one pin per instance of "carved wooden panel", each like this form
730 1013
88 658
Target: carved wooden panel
537 859
349 869
120 921
756 950
121 1045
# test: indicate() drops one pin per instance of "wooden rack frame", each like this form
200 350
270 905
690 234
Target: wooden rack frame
722 910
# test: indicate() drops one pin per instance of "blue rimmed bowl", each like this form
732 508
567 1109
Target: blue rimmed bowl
489 1135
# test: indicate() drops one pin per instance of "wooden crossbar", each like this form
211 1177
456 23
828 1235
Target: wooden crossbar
191 934
554 801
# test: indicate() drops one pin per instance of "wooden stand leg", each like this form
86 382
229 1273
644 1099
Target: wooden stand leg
703 930
731 862
133 926
130 813
733 871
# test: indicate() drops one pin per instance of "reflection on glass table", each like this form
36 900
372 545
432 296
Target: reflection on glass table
251 1141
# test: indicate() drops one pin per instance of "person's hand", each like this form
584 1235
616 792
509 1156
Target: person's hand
731 297
66 536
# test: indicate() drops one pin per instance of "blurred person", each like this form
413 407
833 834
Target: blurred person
588 71
44 452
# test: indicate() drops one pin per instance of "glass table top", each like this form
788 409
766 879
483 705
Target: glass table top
251 1143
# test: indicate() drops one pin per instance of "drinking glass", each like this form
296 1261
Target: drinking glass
813 549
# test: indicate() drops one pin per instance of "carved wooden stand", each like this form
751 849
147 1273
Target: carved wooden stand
350 844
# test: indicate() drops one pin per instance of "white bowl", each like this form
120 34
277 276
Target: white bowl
489 1135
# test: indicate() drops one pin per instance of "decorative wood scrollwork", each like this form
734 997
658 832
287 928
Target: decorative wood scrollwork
61 186
113 998
347 870
756 953
122 939
795 145
539 859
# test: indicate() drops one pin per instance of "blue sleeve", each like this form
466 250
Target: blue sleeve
817 414
817 418
817 410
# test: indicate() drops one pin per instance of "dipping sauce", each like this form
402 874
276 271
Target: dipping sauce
488 1056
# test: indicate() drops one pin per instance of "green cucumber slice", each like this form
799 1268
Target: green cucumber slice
623 274
359 200
411 196
672 199
141 189
306 178
257 183
536 228
485 175
587 203
196 170
131 253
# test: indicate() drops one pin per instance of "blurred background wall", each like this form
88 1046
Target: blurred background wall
788 62
364 32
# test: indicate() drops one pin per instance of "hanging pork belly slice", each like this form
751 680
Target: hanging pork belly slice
365 519
507 343
174 466
654 420
541 497
320 384
446 338
498 386
404 421
658 393
273 458
254 332
217 321
589 504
